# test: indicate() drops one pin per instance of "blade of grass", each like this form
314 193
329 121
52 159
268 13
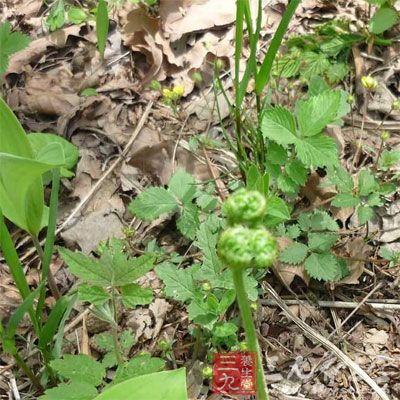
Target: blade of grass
102 25
264 73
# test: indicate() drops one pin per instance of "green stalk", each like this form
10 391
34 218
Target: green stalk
49 245
117 346
17 272
28 372
250 330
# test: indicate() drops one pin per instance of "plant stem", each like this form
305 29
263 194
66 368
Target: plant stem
49 246
28 372
117 347
250 330
50 278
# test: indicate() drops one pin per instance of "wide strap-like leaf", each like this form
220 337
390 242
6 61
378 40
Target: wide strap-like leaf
165 385
21 191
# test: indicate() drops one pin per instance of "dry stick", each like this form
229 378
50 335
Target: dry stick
314 335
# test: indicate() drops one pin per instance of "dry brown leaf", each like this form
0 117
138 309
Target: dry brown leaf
185 16
21 60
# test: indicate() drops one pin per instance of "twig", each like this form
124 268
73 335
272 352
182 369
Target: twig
314 335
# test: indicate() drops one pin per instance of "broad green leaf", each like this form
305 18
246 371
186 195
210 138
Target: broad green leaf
295 253
276 154
21 192
287 185
286 67
293 231
56 17
165 385
255 180
226 301
297 171
383 19
188 222
374 199
134 295
152 203
278 124
317 151
111 270
323 267
364 214
140 365
345 200
207 242
388 159
366 183
321 242
71 391
102 25
317 221
314 64
40 140
77 15
314 114
317 85
183 185
80 367
277 209
341 178
179 283
10 43
93 294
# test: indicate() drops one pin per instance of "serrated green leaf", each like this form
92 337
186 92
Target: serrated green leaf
152 203
179 283
293 231
113 269
80 367
374 200
188 222
183 185
317 85
317 151
388 159
134 295
297 171
93 294
10 43
140 365
286 67
276 154
56 17
295 253
206 202
314 64
321 242
278 124
276 207
207 242
341 178
337 72
366 183
314 114
104 341
323 267
364 214
383 19
345 200
71 391
287 185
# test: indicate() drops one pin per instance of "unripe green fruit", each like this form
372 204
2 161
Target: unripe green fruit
245 206
207 372
206 286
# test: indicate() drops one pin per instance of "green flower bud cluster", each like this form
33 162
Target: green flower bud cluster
243 244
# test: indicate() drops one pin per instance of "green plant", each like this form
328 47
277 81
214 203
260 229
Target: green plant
246 244
10 43
110 281
384 18
22 202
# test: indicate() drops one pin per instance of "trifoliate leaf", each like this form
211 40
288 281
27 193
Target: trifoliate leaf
317 151
152 203
297 171
93 294
366 183
345 200
183 185
323 267
80 367
383 19
134 295
295 253
278 124
140 365
314 114
188 222
71 391
321 242
317 221
10 43
364 214
179 283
